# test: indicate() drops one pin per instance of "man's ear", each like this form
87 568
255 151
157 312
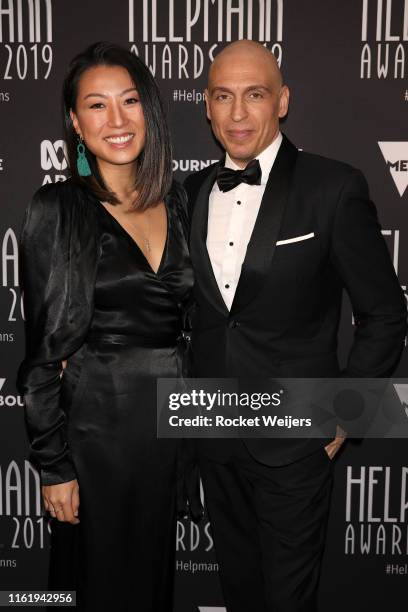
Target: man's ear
207 104
284 101
75 122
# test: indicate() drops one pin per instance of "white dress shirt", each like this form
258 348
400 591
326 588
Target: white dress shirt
231 220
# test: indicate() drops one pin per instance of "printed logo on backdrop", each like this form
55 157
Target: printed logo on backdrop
10 302
195 545
180 40
26 29
25 527
376 514
53 160
196 539
7 400
396 157
191 165
384 34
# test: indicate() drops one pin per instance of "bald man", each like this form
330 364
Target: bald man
276 235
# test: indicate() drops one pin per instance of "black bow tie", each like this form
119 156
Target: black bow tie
227 178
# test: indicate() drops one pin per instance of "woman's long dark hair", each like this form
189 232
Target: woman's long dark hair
154 168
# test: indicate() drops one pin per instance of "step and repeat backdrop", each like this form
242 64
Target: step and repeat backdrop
346 64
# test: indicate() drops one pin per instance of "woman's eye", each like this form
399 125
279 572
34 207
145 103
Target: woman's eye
97 105
131 100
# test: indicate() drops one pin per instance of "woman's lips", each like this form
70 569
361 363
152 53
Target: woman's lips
120 141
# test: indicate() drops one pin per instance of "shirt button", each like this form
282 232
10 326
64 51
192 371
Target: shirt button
231 244
238 201
227 286
233 324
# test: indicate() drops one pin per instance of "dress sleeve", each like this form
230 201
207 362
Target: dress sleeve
44 276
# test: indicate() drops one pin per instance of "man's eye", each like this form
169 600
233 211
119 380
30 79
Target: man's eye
255 95
221 97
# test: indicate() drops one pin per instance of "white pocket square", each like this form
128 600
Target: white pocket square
296 239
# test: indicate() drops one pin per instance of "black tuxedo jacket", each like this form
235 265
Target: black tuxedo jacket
285 315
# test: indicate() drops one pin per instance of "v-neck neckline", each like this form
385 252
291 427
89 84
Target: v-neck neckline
126 233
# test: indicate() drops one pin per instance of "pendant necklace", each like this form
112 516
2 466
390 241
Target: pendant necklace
145 237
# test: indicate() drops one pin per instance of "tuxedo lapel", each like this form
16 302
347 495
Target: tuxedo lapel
262 244
198 245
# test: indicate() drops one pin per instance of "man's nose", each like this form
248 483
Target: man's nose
238 109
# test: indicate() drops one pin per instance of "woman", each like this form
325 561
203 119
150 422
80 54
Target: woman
106 278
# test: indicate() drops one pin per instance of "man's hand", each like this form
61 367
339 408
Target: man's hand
62 501
332 448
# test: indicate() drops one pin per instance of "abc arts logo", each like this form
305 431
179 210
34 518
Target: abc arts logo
53 160
8 400
396 157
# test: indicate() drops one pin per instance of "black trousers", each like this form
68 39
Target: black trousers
269 526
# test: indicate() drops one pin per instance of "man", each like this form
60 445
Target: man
273 243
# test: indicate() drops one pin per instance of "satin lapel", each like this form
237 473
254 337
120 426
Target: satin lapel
198 248
262 244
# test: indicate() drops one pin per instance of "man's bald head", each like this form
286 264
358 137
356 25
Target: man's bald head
247 50
245 99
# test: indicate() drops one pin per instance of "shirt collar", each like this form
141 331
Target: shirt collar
266 159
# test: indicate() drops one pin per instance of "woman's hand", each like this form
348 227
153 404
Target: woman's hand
62 501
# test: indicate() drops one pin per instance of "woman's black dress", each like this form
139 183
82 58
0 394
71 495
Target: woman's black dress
121 555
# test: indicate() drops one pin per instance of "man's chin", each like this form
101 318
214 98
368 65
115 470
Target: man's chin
239 155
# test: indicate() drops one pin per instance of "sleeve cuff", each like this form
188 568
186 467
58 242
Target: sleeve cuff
63 472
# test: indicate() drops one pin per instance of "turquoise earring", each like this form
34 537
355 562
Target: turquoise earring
82 162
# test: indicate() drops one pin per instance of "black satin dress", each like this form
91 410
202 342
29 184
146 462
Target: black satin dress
121 555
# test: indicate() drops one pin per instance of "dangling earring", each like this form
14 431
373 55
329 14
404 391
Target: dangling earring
82 162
